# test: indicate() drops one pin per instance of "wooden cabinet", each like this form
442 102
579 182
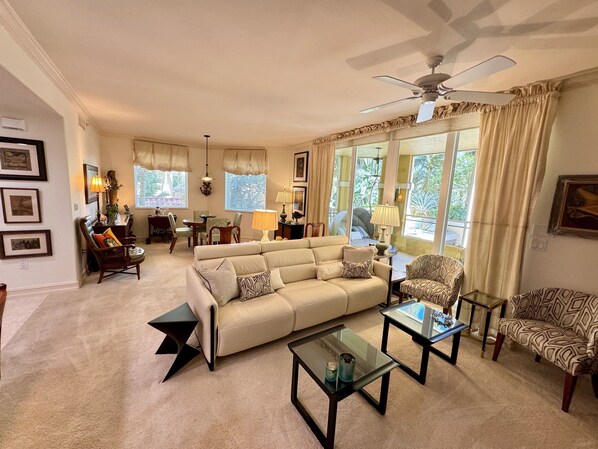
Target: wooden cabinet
158 226
289 231
122 226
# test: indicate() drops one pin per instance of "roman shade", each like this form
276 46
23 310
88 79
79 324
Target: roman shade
161 156
245 162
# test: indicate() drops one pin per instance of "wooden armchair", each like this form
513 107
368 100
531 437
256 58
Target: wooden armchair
226 234
115 259
315 229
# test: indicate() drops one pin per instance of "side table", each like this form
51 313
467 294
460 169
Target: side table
177 325
487 302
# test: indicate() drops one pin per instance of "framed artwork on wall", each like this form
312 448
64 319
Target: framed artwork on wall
20 244
89 171
22 159
20 205
299 199
300 167
575 206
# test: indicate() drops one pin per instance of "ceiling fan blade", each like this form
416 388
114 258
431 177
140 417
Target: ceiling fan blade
426 111
495 98
483 69
397 82
375 108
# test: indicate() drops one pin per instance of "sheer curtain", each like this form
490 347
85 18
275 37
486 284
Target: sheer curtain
319 185
510 168
160 156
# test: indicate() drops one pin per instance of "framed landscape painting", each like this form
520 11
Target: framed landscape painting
299 198
89 172
300 167
22 159
575 206
21 244
20 205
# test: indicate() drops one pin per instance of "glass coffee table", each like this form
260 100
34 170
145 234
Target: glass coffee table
426 327
315 351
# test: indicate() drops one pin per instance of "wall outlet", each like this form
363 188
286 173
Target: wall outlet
24 264
539 243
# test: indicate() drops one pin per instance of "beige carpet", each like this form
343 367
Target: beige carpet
79 371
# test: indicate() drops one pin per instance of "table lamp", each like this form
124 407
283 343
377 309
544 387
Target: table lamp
284 197
264 220
97 186
384 216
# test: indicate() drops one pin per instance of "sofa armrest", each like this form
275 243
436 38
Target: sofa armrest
205 308
533 305
382 270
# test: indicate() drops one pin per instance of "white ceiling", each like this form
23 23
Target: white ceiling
282 72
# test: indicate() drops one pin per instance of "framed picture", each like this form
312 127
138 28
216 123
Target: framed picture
22 159
575 206
21 244
300 167
299 199
20 205
89 171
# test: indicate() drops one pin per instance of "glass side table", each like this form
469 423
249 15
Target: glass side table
487 302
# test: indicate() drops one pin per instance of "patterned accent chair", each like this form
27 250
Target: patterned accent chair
433 278
560 325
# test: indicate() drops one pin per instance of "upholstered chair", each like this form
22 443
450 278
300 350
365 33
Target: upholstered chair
560 326
433 278
237 222
179 232
211 222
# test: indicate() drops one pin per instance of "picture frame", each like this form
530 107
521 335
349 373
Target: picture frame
22 159
299 199
575 206
25 244
300 167
89 171
20 205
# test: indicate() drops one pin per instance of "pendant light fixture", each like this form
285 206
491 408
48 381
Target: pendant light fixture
206 181
376 174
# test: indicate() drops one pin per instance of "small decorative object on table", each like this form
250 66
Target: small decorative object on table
331 371
346 367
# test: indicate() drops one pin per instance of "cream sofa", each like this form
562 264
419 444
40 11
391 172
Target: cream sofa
304 301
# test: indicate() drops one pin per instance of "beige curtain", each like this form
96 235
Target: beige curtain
319 184
160 156
509 172
245 162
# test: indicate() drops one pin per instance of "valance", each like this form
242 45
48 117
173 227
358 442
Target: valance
160 156
245 162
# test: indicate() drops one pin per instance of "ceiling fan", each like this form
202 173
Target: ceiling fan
430 87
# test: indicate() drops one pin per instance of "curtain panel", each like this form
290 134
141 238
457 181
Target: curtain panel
509 173
319 185
245 162
160 156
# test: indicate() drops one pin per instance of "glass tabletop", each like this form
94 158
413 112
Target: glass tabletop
429 323
317 350
483 299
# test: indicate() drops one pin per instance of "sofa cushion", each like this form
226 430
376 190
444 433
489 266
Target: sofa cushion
316 242
353 254
243 264
254 285
275 279
221 282
295 264
243 325
362 293
560 346
327 254
283 245
202 252
357 269
314 301
329 271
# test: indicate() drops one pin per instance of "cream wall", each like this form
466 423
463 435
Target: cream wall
568 262
62 196
117 155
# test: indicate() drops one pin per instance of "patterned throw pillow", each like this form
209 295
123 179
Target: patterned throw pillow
357 269
107 239
254 285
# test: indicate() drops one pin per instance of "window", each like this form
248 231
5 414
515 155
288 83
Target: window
244 192
156 188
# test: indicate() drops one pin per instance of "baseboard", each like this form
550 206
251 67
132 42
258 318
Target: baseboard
47 288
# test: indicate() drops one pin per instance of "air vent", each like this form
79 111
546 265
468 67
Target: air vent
14 123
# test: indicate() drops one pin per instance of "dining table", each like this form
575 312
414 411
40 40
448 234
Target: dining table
197 226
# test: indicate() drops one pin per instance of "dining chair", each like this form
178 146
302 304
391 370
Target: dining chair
315 229
2 303
210 223
226 235
237 222
178 232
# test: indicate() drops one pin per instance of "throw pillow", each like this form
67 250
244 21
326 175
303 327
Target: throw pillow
353 255
109 234
275 279
329 271
357 269
107 239
255 285
221 282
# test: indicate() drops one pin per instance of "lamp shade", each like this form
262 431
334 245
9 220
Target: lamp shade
284 197
264 220
97 184
386 215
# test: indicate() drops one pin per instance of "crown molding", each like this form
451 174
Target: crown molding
12 23
580 79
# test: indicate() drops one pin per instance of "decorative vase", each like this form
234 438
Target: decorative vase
346 367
